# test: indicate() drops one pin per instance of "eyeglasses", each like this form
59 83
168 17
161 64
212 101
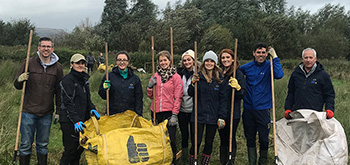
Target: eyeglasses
46 46
259 52
122 60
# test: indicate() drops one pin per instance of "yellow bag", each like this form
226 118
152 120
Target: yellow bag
125 138
102 67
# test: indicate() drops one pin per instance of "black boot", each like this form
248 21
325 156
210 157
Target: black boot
252 155
24 160
42 159
223 155
263 157
185 155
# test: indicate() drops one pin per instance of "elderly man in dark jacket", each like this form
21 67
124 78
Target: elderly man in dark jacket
310 87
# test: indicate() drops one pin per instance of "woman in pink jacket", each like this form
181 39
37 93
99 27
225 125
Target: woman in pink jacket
168 88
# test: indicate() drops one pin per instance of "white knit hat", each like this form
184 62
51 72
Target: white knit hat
189 52
210 55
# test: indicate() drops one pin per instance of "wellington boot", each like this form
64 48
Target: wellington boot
191 161
185 155
263 157
24 160
252 155
205 159
42 159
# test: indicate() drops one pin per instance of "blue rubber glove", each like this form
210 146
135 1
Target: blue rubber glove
95 113
78 127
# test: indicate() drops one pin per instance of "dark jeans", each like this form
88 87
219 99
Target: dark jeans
160 117
210 131
72 149
29 125
184 124
90 67
225 134
257 121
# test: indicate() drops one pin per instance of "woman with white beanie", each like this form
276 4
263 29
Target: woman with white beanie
212 93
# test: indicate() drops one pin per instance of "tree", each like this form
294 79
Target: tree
15 32
216 38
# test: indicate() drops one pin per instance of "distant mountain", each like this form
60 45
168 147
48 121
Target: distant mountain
48 32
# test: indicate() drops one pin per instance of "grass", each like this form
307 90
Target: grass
10 101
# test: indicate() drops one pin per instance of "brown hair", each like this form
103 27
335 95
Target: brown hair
230 71
216 73
164 53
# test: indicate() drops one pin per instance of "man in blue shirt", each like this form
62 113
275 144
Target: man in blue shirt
258 100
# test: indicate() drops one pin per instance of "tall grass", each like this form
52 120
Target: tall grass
10 101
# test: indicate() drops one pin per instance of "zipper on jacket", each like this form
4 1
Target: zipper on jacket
161 97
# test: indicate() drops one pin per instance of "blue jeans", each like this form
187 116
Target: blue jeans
29 125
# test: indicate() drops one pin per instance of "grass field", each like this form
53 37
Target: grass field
10 102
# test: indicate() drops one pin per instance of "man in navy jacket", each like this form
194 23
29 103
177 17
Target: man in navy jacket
310 87
258 100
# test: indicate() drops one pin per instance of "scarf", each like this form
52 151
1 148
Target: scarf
166 74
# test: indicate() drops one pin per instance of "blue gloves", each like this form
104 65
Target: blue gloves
78 127
95 113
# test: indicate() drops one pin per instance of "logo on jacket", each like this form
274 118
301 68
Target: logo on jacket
136 151
314 81
131 86
216 88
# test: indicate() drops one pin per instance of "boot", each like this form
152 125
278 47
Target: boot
42 159
252 155
24 160
263 157
185 155
223 155
191 160
205 159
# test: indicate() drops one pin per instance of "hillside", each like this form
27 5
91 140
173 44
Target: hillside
48 32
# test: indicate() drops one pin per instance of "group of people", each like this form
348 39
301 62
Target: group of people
172 91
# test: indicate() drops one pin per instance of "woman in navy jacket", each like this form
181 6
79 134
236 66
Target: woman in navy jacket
124 87
212 104
226 64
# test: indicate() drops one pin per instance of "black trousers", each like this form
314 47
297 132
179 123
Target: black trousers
184 124
72 149
160 117
225 134
210 131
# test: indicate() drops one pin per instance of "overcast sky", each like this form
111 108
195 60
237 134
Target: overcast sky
66 14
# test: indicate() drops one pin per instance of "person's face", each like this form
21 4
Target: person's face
209 64
101 54
122 62
260 55
187 62
45 49
226 60
309 59
164 62
78 66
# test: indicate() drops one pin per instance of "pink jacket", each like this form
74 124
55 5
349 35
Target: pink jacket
168 95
